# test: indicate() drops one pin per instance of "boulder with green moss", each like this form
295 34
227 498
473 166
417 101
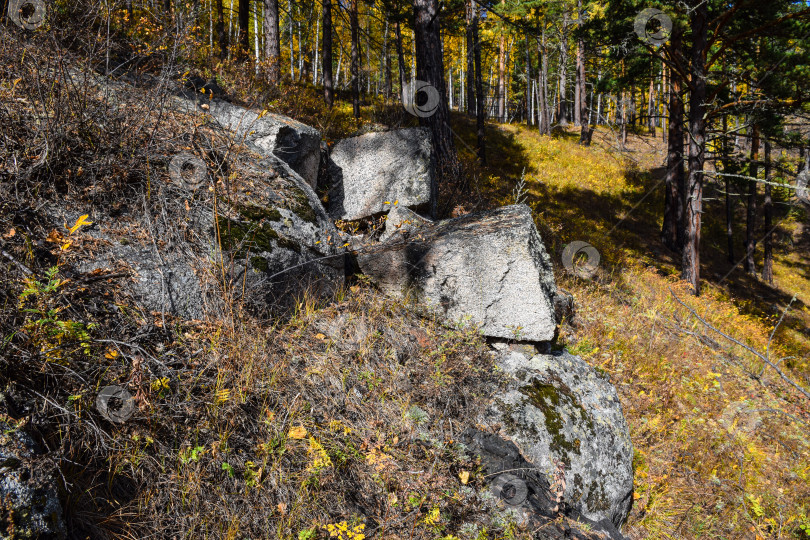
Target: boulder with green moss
29 505
565 417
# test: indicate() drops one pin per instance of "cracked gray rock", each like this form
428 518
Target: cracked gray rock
561 412
31 507
490 269
372 172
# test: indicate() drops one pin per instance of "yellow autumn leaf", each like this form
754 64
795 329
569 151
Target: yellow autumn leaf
65 246
298 432
111 354
261 114
464 476
82 221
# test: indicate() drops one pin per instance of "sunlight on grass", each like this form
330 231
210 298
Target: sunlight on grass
719 452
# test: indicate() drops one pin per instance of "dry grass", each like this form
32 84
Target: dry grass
720 451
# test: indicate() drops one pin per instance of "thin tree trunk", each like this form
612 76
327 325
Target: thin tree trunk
221 34
292 40
728 169
355 67
651 106
272 41
767 264
672 231
326 55
244 28
317 48
581 105
527 111
430 69
697 132
544 121
471 12
479 92
751 211
502 76
387 61
400 62
562 109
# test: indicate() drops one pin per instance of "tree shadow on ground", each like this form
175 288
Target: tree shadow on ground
625 225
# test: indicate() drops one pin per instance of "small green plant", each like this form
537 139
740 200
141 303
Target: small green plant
190 455
308 534
45 327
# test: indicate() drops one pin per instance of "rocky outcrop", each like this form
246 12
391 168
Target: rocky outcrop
564 415
272 237
297 144
490 268
375 171
526 491
29 505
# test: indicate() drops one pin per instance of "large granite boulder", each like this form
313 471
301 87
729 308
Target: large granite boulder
297 144
490 268
533 497
271 237
29 505
373 172
564 415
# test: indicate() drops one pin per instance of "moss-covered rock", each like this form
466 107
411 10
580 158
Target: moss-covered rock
563 414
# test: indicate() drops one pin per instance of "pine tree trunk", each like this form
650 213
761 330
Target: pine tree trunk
562 109
502 77
326 54
673 199
697 132
430 69
727 168
355 61
544 122
581 107
479 91
272 41
751 211
400 62
651 106
222 36
767 263
244 28
528 111
471 12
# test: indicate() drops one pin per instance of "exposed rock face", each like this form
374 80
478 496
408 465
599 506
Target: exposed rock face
29 506
526 490
491 268
276 240
285 246
297 144
562 413
378 168
401 222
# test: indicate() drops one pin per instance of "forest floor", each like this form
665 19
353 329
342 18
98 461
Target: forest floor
721 446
